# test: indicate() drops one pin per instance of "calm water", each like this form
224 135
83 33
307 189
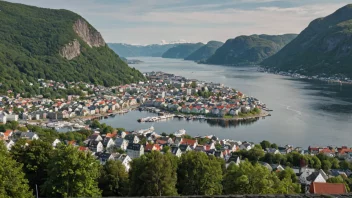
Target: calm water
305 112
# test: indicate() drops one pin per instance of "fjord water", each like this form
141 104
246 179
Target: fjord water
306 112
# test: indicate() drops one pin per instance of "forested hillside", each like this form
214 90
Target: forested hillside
57 45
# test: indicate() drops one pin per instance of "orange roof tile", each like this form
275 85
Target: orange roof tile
188 141
83 148
327 188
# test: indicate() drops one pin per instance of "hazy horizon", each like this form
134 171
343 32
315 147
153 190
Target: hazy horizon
153 22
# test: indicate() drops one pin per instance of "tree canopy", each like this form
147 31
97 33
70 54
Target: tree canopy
71 173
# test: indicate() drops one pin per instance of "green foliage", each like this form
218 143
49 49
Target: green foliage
244 50
78 136
153 174
113 180
35 158
12 125
341 180
252 155
182 50
166 149
30 41
265 144
205 51
199 174
46 135
326 165
274 146
250 178
12 179
312 52
71 173
95 124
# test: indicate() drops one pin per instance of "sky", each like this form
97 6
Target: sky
156 21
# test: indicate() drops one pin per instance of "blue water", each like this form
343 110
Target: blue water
305 112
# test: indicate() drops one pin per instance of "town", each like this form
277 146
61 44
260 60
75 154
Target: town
312 166
164 92
169 96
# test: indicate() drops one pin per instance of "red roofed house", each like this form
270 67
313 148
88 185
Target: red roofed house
152 147
83 148
191 143
327 188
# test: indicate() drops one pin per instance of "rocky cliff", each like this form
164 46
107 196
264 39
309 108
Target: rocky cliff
89 35
71 50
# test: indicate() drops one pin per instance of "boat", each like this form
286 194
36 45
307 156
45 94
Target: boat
145 131
180 132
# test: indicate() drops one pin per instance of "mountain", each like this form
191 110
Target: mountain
323 47
57 45
205 52
246 50
182 50
127 50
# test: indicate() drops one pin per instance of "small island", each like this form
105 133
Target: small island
176 96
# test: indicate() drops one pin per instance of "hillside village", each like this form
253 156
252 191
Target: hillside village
165 92
126 146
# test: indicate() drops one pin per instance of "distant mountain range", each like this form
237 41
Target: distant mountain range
205 51
182 51
127 50
247 50
57 45
325 46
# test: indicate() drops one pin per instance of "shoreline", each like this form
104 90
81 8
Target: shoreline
300 76
262 114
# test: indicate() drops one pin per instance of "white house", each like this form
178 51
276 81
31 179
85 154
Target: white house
12 117
121 143
108 143
125 160
135 150
56 141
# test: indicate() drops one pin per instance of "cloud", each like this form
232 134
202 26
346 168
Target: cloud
141 21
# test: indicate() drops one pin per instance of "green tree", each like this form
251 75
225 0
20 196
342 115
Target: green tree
340 180
12 125
274 146
250 178
95 124
326 165
199 174
265 144
255 154
34 157
113 180
23 129
72 173
335 163
12 178
193 84
166 149
345 165
153 174
316 162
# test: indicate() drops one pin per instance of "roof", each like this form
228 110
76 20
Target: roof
327 188
188 141
132 146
